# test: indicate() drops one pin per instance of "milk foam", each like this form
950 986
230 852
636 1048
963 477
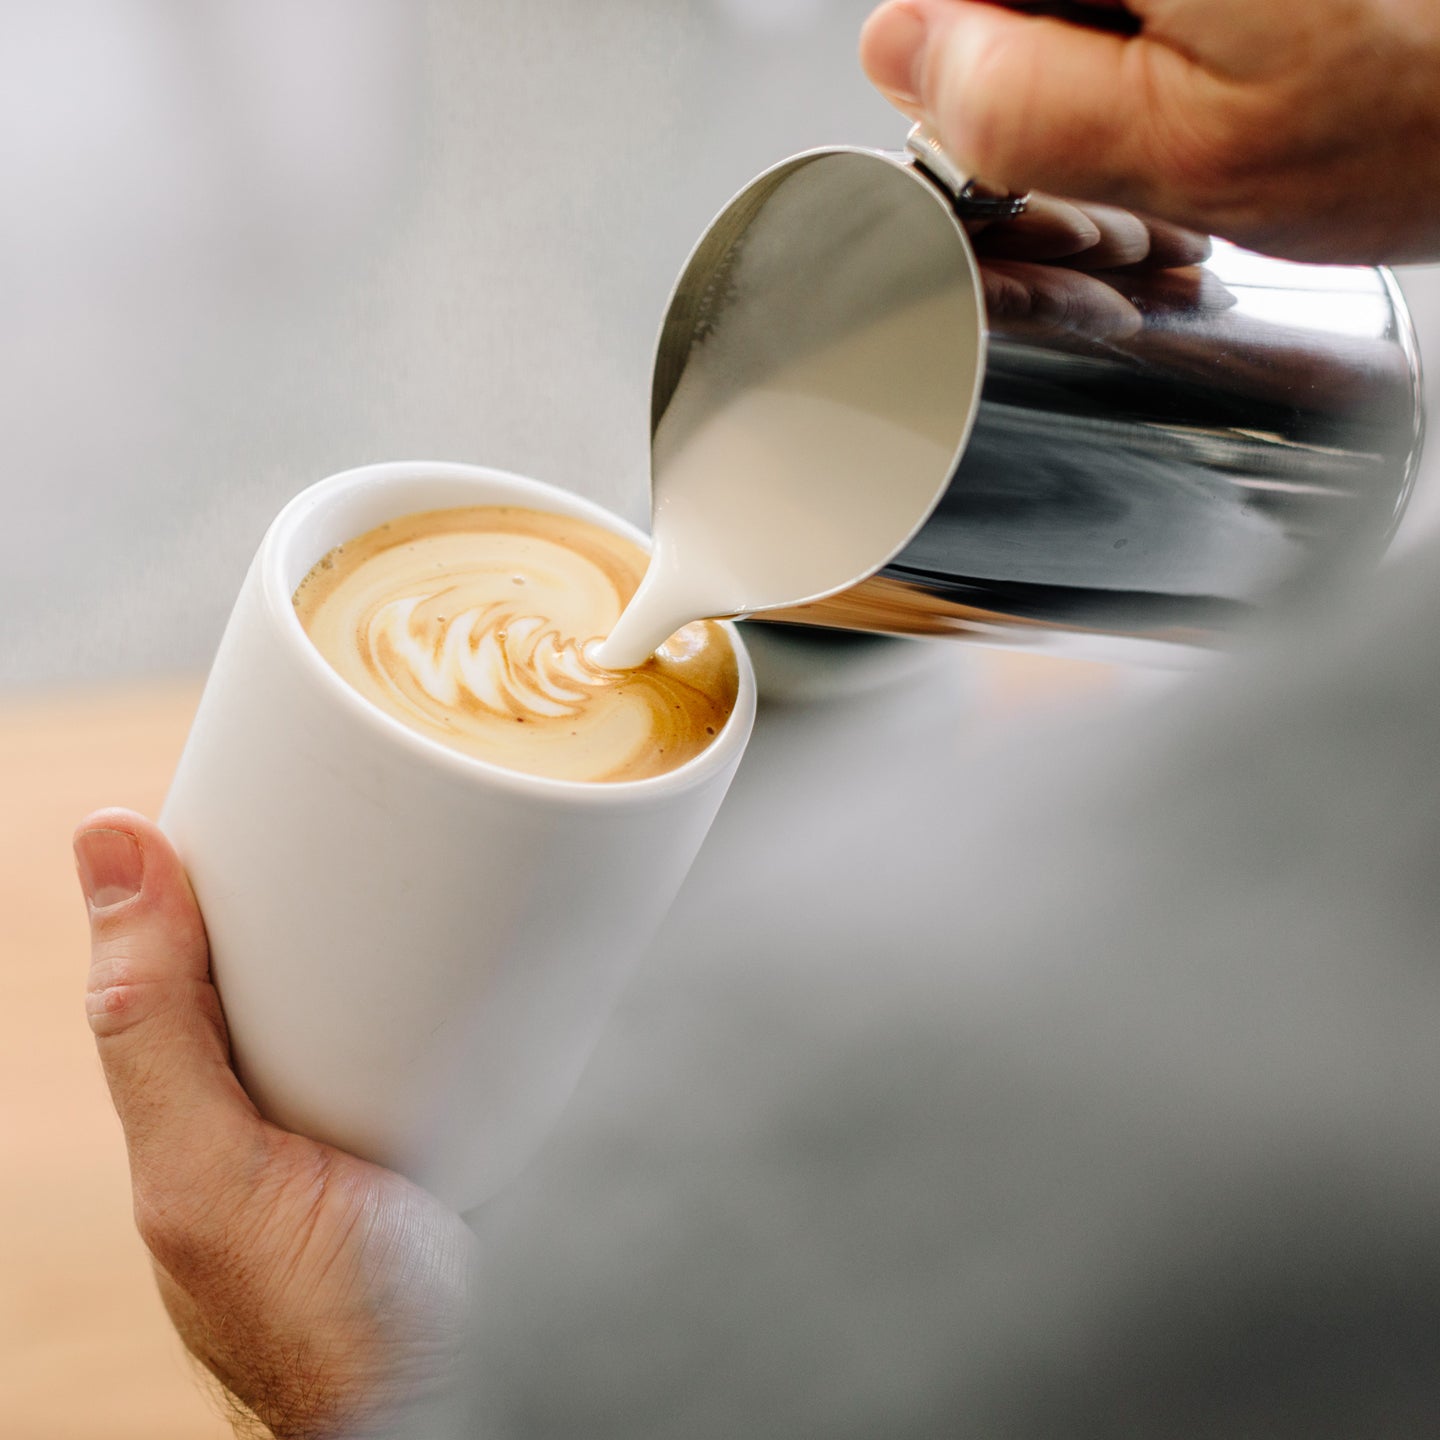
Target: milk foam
486 657
477 628
738 529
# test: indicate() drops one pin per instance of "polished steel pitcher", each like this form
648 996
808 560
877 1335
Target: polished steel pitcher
1158 450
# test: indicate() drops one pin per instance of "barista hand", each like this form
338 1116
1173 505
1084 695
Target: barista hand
1305 130
322 1292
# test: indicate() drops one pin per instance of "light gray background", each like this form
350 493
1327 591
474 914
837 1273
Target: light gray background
247 245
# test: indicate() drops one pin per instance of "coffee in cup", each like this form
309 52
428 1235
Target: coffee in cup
476 627
417 950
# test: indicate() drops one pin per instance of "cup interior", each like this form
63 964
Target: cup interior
348 505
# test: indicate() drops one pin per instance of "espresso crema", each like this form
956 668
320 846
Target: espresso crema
476 627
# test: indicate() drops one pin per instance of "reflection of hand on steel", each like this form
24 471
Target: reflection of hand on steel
1078 276
1035 302
1091 237
1091 271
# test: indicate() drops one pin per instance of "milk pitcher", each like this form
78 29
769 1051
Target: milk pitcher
1151 451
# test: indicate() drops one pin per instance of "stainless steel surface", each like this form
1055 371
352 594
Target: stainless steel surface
1161 449
827 325
1262 429
975 200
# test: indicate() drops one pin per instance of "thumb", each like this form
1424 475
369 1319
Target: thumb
155 1015
1027 103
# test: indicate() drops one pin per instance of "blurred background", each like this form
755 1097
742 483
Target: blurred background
250 245
247 245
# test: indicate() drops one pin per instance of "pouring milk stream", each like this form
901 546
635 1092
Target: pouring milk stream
818 375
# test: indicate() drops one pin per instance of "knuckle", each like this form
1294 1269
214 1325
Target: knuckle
120 996
116 996
971 87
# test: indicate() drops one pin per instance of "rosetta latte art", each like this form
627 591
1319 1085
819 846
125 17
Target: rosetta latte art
506 663
475 628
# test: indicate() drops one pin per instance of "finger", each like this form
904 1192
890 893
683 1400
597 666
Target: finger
155 1015
1041 300
1025 103
1172 247
1180 290
890 44
1124 238
1048 229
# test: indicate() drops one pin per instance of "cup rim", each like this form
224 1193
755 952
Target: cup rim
277 599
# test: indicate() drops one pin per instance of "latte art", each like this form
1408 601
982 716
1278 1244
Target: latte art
506 664
477 628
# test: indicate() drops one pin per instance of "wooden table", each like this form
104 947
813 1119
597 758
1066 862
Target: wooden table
86 1352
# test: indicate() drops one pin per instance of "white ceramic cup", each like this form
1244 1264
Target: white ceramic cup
416 950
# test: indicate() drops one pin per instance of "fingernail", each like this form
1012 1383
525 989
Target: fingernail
900 36
111 867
